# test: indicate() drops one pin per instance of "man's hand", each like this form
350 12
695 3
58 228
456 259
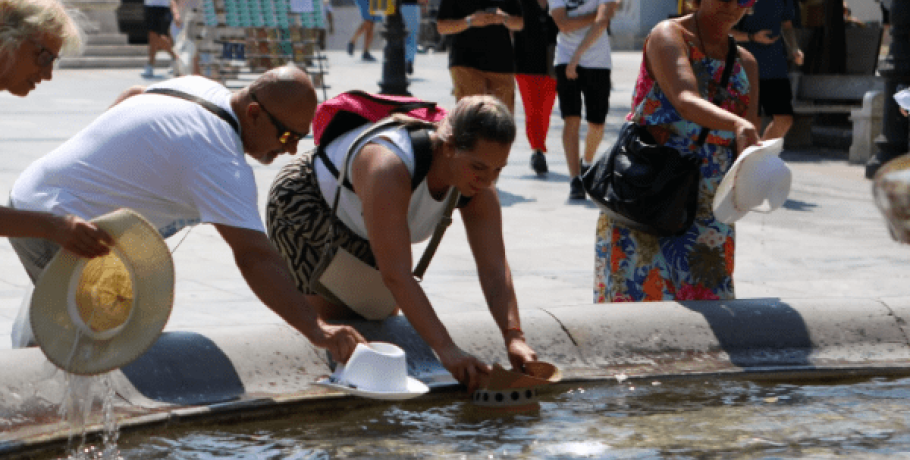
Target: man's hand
80 237
798 57
339 340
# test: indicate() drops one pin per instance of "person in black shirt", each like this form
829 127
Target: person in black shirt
481 60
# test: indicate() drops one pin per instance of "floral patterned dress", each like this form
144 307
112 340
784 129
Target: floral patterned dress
632 266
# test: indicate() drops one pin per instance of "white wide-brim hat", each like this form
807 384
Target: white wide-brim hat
377 371
90 316
758 181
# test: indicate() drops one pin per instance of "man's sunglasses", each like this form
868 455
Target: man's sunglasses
742 3
46 58
285 135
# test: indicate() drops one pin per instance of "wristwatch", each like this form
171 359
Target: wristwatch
467 21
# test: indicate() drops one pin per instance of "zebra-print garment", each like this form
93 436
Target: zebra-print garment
299 218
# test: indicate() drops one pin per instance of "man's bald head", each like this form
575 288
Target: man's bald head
274 112
288 93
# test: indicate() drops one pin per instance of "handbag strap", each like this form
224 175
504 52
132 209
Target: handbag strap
724 79
208 105
441 226
440 230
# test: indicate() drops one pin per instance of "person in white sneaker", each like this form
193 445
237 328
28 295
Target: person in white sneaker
582 71
158 21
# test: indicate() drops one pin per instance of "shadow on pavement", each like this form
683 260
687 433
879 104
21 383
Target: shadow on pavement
185 368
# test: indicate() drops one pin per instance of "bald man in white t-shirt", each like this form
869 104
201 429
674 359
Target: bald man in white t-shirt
178 163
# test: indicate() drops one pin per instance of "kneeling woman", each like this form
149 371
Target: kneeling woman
380 219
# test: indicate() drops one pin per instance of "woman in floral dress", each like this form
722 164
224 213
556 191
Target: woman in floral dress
683 61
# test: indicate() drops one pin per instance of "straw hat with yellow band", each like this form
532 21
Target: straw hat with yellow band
91 316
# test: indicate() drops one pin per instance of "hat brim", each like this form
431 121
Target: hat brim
724 209
415 388
147 258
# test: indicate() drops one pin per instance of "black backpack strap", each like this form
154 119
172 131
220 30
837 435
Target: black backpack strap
423 154
208 105
423 157
320 153
724 79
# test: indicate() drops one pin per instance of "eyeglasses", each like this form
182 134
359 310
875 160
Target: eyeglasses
46 57
742 3
285 135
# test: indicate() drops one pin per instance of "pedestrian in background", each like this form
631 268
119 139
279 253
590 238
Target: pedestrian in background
33 34
764 31
365 28
535 48
158 22
682 65
590 78
481 60
183 31
410 14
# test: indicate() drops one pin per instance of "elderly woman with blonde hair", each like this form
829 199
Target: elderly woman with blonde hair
33 34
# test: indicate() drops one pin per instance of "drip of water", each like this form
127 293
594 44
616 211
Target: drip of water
78 399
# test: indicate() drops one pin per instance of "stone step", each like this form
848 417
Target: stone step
123 50
112 62
106 39
832 137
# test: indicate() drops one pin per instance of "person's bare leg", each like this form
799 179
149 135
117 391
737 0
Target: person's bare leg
152 47
592 141
360 29
330 312
367 35
157 43
778 127
570 144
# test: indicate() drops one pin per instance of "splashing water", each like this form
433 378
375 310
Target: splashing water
76 409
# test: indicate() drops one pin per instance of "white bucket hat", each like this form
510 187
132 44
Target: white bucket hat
90 316
378 371
758 181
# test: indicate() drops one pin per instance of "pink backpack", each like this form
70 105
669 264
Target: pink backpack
351 109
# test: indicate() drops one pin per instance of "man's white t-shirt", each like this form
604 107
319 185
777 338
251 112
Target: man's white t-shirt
598 55
424 211
170 160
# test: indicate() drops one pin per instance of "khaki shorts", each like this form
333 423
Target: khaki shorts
469 82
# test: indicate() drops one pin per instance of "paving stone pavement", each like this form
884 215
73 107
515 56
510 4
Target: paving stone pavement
828 240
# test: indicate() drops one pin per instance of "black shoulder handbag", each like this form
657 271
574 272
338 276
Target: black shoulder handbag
649 187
